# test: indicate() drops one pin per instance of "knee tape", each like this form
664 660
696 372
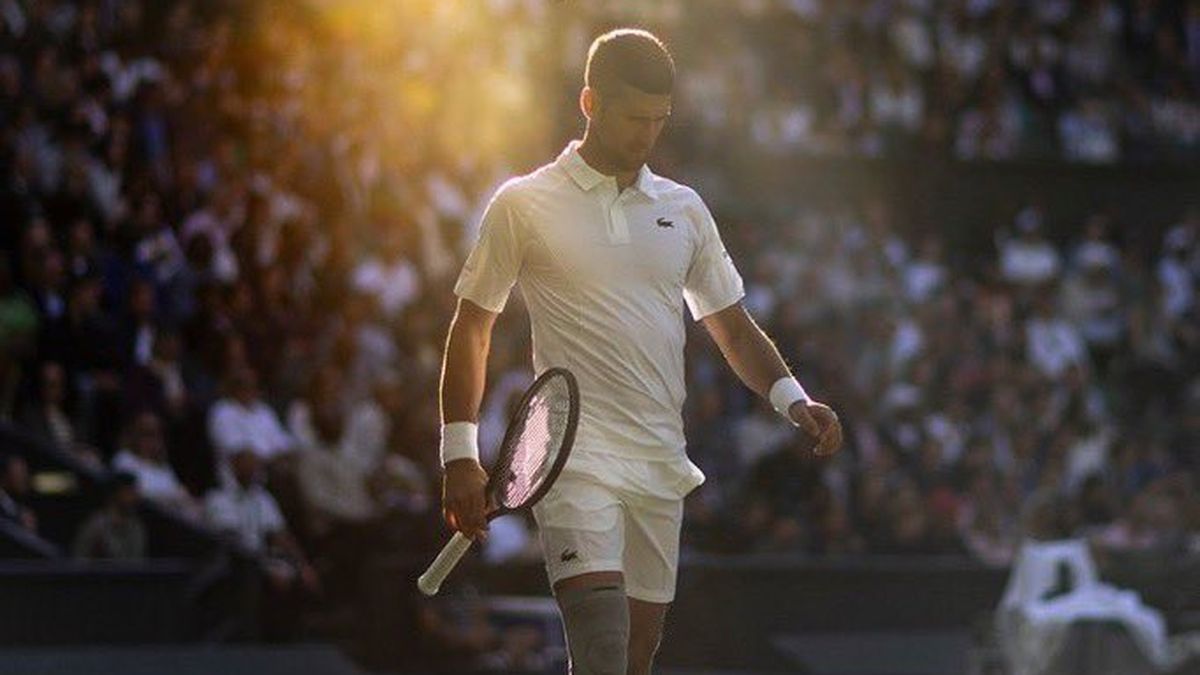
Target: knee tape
597 624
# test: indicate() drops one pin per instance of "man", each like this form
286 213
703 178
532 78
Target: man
607 254
241 420
14 487
144 455
115 532
244 510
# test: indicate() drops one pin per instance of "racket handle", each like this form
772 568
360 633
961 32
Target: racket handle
444 563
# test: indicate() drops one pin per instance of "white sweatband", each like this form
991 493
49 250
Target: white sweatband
784 393
460 440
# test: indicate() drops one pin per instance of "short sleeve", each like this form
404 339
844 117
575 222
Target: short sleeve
712 282
221 513
225 430
272 517
491 269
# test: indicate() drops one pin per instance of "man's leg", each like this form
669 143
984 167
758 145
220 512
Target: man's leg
651 560
582 533
645 634
596 616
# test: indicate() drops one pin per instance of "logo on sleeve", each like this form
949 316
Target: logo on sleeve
663 222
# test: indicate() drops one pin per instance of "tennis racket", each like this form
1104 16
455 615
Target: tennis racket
535 448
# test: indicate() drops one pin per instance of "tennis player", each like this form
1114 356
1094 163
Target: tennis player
607 254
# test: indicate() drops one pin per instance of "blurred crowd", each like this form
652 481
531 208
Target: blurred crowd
229 248
1055 370
1093 81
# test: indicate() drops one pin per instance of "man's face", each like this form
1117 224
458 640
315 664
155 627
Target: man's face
167 348
126 499
16 479
148 437
627 122
52 384
245 467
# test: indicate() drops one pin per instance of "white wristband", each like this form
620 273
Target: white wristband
460 440
784 393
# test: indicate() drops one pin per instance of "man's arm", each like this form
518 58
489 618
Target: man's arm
758 364
464 372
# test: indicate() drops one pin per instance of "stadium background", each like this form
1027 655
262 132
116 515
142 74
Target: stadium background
973 227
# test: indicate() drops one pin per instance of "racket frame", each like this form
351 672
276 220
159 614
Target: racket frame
431 581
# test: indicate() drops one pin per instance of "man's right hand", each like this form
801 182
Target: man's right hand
463 501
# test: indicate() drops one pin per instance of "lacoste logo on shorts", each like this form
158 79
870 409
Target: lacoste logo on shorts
663 222
568 555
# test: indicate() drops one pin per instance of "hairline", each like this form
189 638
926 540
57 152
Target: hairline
603 83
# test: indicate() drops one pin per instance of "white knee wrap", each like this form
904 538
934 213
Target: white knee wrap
597 624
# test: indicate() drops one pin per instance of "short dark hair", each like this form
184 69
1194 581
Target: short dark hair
633 56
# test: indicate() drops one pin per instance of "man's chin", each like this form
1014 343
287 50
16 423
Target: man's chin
634 162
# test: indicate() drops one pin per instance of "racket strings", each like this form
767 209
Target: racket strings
535 445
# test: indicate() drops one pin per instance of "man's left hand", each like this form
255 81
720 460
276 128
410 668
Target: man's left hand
819 421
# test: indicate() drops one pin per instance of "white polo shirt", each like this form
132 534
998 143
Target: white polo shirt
605 277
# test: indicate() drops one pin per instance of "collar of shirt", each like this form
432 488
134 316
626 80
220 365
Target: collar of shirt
587 178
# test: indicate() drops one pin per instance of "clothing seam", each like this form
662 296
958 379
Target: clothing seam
598 566
647 595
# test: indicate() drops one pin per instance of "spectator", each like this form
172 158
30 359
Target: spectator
1151 524
144 456
45 277
357 433
990 537
390 279
242 420
333 487
907 522
88 346
18 319
48 415
778 493
926 274
1095 504
1029 259
215 223
1178 281
162 384
115 532
139 330
944 508
1089 133
1053 345
1092 297
82 256
455 628
14 489
245 511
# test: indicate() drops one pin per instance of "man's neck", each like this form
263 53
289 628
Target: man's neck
598 160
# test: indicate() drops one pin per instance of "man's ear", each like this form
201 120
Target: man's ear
587 101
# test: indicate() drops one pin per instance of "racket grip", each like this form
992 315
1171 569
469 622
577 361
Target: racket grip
444 563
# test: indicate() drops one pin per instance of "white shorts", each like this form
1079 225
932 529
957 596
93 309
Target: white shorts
588 526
